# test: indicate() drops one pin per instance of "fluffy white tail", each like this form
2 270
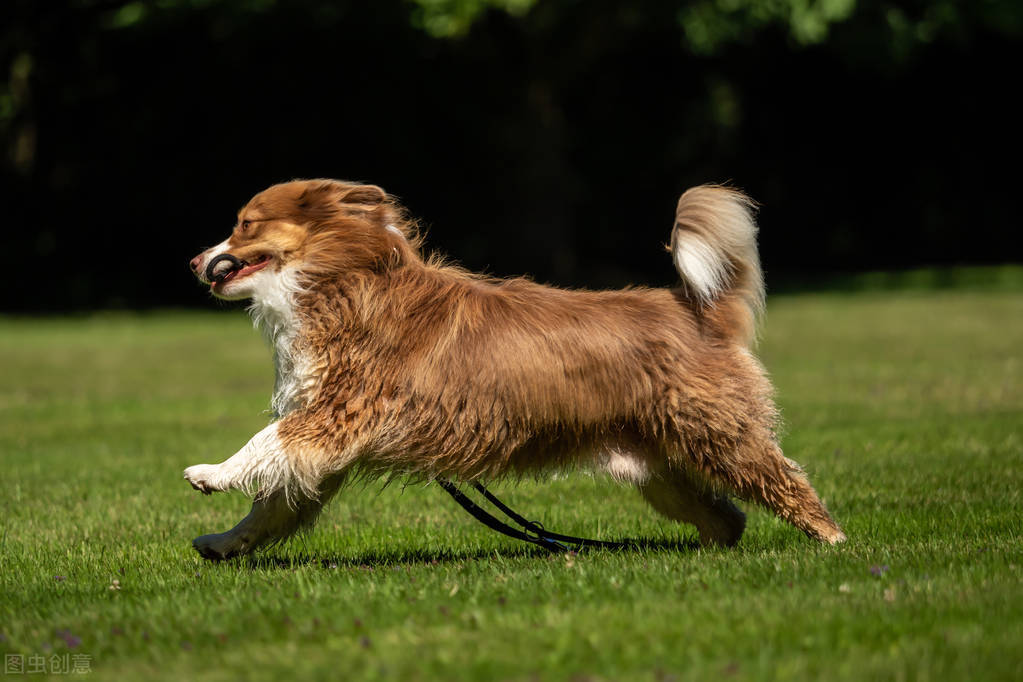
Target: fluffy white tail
714 245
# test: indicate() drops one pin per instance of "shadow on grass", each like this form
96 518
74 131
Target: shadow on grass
374 560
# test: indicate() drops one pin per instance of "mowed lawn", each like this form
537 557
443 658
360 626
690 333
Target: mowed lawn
905 408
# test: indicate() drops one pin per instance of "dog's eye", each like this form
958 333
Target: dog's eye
246 224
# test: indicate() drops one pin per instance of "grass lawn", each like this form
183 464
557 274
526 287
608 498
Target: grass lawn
905 408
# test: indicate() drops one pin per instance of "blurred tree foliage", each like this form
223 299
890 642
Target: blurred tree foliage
541 135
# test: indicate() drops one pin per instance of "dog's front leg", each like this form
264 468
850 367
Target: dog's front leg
273 518
293 484
262 464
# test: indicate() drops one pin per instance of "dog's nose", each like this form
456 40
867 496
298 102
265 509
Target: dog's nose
195 263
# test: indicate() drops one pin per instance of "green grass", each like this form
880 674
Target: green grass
906 409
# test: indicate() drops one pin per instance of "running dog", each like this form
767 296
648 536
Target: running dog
392 363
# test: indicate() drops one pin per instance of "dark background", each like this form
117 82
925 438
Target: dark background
549 137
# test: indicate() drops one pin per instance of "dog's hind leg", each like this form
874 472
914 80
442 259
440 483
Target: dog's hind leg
777 482
757 471
718 521
674 495
273 518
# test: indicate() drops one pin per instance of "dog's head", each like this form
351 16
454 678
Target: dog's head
313 227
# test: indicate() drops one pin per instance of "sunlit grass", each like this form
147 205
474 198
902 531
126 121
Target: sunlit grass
906 409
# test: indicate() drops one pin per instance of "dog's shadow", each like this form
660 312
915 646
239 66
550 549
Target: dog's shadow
402 558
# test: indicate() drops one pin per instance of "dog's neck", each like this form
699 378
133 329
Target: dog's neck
274 311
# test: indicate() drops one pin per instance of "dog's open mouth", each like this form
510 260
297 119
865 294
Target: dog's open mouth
226 268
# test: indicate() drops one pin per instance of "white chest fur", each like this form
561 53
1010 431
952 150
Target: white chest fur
274 312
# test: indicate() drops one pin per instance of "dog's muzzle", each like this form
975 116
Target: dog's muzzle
216 271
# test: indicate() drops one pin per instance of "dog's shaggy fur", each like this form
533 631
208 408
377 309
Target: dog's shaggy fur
392 363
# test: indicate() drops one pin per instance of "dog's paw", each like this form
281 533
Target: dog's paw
724 527
836 537
217 547
828 534
201 477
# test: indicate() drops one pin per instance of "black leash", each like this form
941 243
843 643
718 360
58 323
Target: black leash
533 532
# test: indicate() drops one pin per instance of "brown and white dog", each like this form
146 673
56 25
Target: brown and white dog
391 363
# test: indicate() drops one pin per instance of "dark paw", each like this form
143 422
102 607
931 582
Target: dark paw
215 548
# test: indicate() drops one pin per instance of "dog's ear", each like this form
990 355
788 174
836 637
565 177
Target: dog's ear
366 197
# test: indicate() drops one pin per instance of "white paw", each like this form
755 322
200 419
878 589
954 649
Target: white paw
836 537
202 477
